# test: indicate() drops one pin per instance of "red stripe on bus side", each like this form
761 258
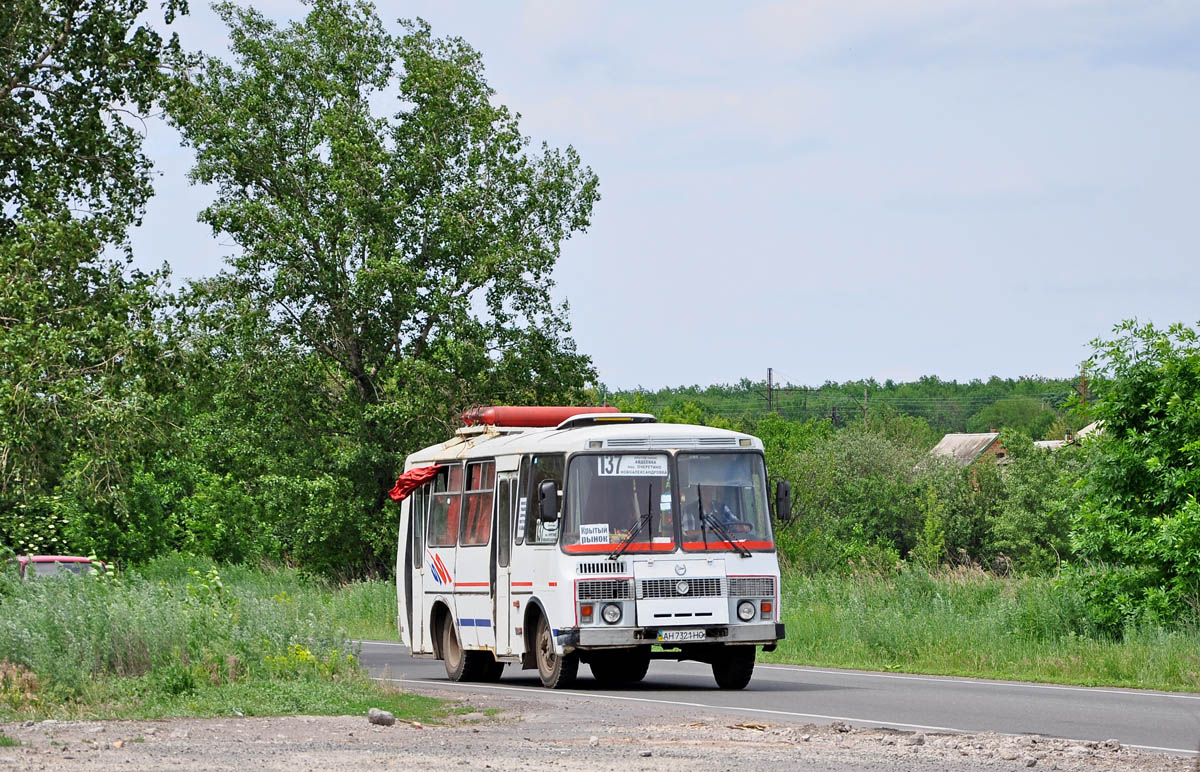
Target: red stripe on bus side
522 584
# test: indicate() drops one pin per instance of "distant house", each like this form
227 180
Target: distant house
1070 439
966 449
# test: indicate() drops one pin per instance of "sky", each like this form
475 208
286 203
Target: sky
835 190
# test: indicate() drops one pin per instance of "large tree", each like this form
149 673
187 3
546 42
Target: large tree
399 233
75 78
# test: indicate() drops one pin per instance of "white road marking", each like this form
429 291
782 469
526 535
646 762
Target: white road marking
757 711
939 679
979 682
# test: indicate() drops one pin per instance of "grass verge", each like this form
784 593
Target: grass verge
181 638
970 623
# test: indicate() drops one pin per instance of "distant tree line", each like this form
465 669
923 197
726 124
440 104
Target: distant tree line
1044 408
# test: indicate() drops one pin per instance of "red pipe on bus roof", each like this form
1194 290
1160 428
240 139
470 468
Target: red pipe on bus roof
542 415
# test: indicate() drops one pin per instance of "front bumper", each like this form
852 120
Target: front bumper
600 637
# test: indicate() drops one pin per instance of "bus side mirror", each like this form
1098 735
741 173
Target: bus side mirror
548 501
783 501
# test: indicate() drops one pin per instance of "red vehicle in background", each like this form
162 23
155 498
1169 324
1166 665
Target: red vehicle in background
39 566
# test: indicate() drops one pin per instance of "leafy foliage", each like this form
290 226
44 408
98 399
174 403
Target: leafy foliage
391 270
1138 527
78 370
1021 413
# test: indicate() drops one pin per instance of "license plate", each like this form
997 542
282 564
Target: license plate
675 636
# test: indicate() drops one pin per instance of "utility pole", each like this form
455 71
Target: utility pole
864 404
770 396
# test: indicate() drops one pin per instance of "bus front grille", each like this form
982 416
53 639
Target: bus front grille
670 588
604 589
605 567
752 586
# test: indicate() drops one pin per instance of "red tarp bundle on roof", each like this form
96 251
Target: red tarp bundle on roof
529 415
411 480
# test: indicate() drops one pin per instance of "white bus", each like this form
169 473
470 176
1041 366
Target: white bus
551 536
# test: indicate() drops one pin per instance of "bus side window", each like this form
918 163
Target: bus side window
503 522
521 515
477 522
416 517
543 468
444 507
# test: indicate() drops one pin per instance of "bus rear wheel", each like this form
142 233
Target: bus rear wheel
556 671
733 667
464 665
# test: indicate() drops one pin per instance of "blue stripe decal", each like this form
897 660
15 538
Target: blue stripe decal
554 632
468 622
464 622
483 623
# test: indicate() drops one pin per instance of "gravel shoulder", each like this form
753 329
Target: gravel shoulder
525 733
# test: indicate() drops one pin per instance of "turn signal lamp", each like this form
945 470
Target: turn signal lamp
585 612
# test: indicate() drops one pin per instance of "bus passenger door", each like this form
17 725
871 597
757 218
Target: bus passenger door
418 509
506 494
472 588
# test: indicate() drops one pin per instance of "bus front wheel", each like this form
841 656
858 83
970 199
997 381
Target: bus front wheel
733 668
556 671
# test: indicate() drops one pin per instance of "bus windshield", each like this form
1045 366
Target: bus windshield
615 498
723 492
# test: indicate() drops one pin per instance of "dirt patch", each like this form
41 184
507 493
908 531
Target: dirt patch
531 734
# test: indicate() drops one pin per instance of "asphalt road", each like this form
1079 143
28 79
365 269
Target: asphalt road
1160 721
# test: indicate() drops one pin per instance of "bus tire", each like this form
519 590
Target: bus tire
733 668
556 671
492 671
461 664
620 666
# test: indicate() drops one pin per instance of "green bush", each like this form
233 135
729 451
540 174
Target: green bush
1136 533
852 488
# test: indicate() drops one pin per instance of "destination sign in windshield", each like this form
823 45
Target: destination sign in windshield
632 466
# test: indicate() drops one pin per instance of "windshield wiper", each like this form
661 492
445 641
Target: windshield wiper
710 518
642 522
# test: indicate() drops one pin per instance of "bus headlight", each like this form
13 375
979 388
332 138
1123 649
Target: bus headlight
611 613
746 610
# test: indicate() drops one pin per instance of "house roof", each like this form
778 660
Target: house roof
963 449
